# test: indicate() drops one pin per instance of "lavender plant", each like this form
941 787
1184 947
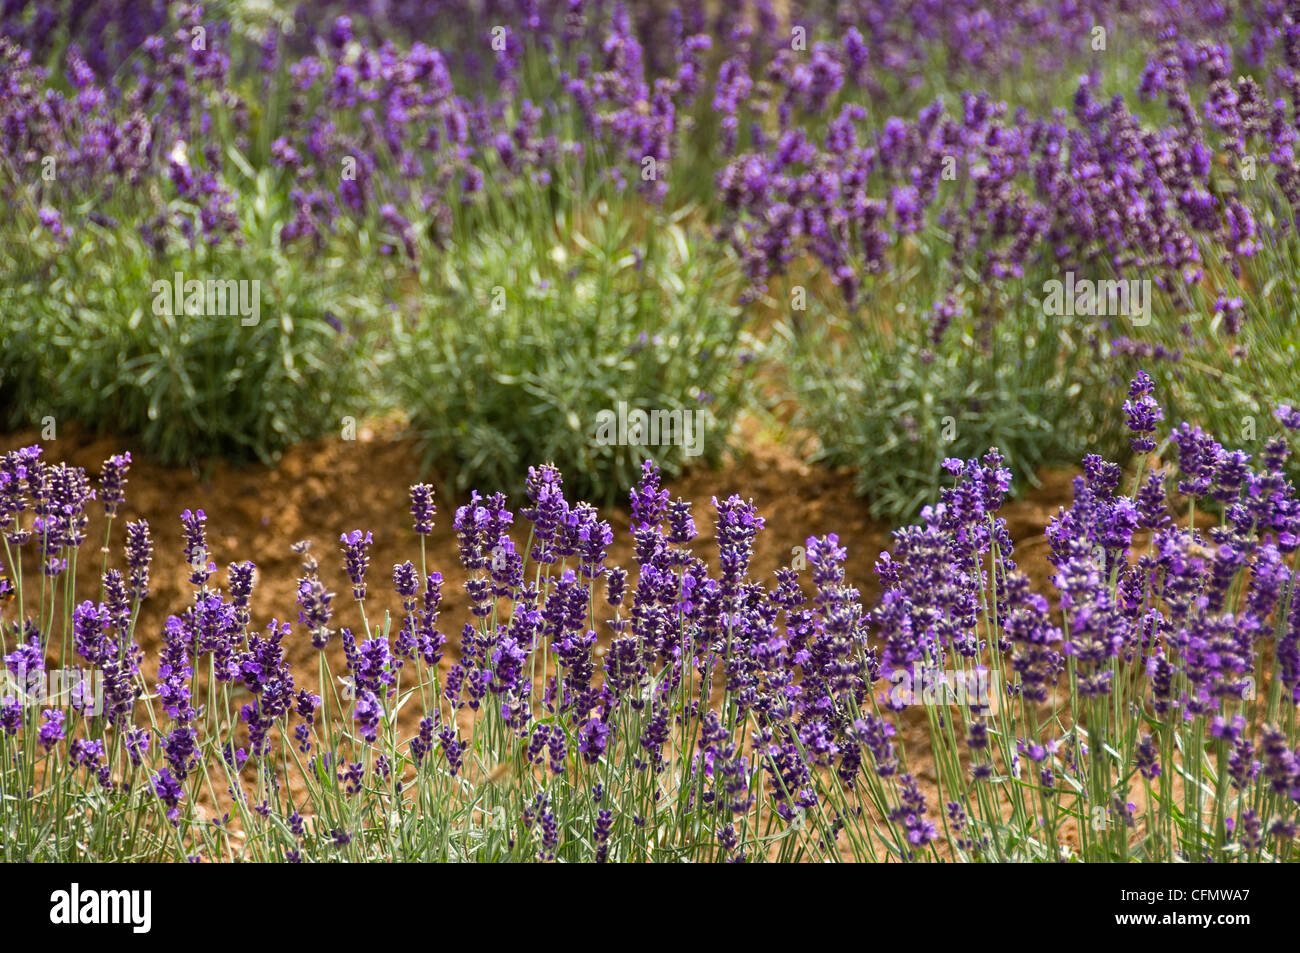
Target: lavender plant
525 346
1153 721
227 350
977 210
683 710
893 393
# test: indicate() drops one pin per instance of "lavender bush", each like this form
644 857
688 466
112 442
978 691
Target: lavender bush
570 330
683 710
942 233
87 338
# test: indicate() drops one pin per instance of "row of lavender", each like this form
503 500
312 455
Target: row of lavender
1147 710
847 145
368 127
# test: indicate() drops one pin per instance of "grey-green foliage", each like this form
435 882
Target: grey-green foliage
81 339
521 339
890 403
1230 381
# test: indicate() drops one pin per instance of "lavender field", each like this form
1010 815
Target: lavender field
627 431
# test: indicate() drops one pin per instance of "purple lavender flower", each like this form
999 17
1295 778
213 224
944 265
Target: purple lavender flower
877 736
51 732
314 609
1231 311
648 501
11 716
87 753
911 812
592 740
1143 413
170 792
241 577
423 508
681 525
1198 459
52 220
356 553
112 483
1147 758
196 547
406 583
604 825
367 713
1289 417
139 556
615 586
547 509
138 741
738 525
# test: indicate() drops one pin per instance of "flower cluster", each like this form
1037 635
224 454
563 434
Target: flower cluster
703 698
396 136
